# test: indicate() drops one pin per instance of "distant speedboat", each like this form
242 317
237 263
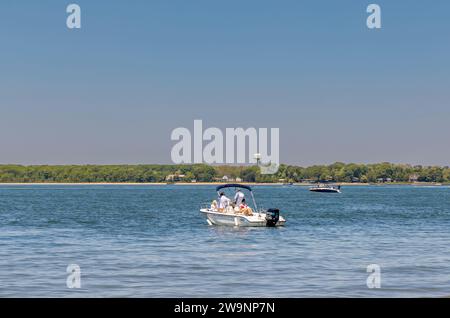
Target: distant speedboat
326 188
232 216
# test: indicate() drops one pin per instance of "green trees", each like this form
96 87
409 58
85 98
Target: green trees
446 174
336 172
380 172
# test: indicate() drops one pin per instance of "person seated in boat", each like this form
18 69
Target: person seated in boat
214 205
245 209
224 202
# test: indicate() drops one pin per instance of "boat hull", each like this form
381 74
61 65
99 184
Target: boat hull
325 190
231 219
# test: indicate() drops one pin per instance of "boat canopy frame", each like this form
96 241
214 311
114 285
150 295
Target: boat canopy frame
233 185
237 185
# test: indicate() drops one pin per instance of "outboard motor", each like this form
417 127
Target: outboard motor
272 217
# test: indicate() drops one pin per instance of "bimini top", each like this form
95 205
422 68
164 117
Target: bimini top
233 185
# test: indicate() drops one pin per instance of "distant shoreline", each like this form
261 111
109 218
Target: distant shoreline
203 174
219 183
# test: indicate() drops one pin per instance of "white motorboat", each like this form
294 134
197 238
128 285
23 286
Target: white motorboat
326 188
232 216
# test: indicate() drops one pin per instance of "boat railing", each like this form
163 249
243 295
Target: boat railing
261 209
325 186
206 206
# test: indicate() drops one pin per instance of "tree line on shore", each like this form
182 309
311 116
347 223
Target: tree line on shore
336 172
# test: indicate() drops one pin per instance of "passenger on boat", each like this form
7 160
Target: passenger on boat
214 205
239 197
245 209
224 202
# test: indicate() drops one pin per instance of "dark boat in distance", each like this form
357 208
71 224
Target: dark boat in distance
326 188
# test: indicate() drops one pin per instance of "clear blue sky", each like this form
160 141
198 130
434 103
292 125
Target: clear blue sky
113 91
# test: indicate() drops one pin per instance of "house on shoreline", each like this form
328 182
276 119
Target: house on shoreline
227 179
175 177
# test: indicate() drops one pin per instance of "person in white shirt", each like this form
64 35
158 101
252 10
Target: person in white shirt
224 202
238 197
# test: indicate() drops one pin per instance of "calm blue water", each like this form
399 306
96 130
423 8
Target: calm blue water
150 241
